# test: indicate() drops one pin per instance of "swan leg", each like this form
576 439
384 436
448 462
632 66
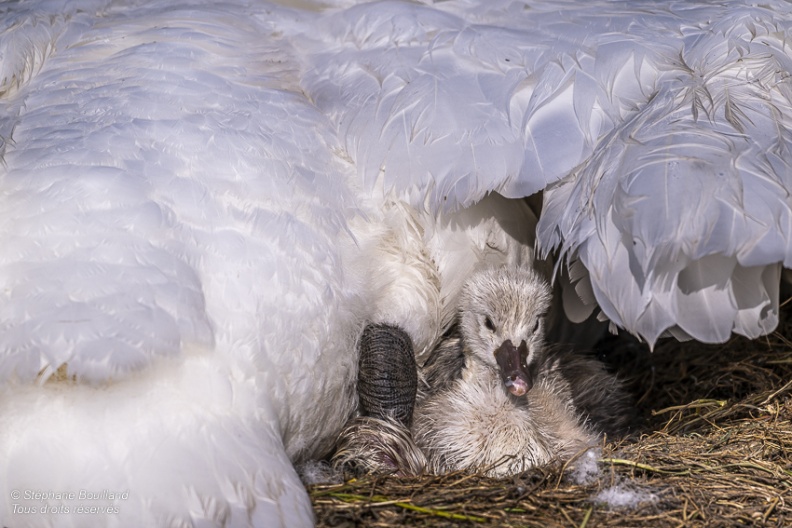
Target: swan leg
379 440
387 374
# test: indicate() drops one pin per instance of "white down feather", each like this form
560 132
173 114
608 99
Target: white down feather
202 204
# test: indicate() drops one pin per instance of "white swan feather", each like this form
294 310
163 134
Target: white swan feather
661 129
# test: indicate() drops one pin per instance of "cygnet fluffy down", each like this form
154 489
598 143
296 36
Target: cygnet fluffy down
492 396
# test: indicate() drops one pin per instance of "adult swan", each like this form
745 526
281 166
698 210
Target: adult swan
202 205
187 263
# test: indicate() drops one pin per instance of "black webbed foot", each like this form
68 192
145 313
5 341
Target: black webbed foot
387 374
379 440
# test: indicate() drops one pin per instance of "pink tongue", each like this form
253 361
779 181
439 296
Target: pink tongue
516 385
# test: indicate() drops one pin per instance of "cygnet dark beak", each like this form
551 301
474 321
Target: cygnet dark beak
513 367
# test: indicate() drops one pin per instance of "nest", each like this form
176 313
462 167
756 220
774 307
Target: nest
713 448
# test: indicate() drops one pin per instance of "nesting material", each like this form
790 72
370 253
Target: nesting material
714 449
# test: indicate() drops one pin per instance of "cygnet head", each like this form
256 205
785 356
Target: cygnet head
502 318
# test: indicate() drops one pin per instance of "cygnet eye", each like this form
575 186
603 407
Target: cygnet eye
489 324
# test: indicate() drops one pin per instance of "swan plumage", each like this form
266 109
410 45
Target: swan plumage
201 206
658 130
135 232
